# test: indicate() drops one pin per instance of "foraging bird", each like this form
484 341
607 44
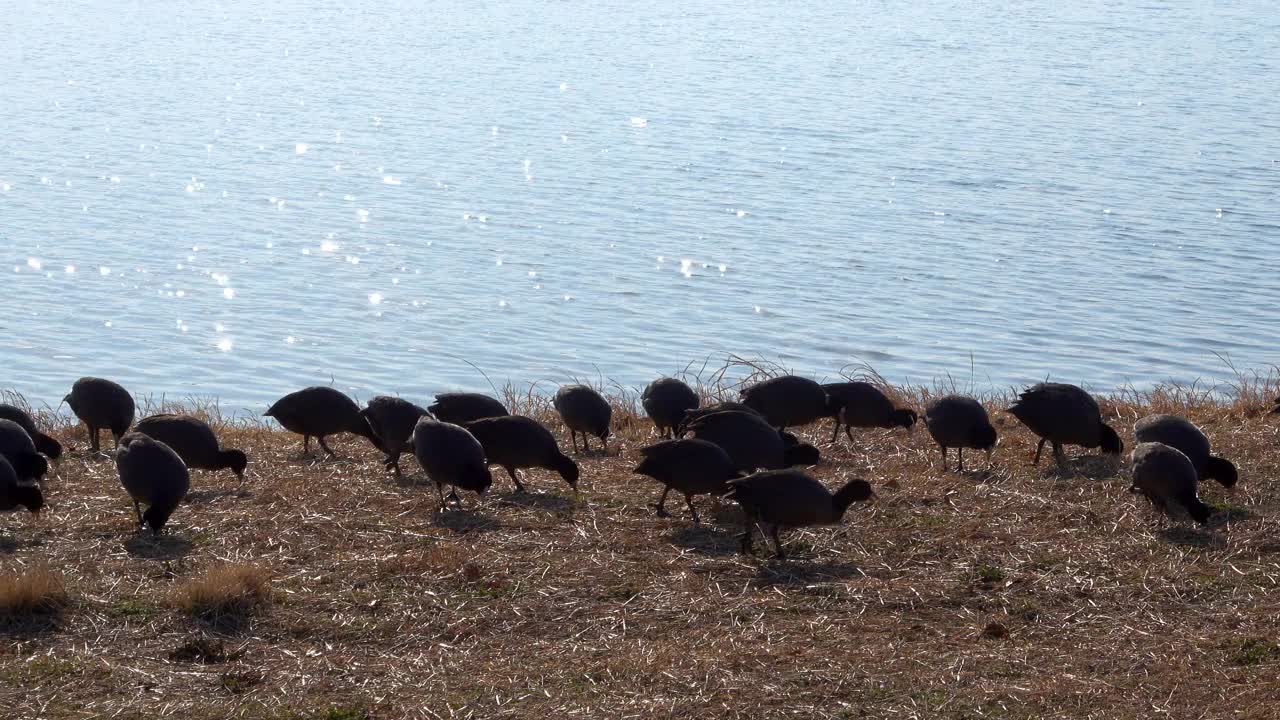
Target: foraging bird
959 422
1064 414
694 414
450 455
748 439
17 447
321 411
790 498
15 493
392 420
44 444
861 404
194 441
690 467
461 408
787 400
802 453
515 442
1183 435
1166 477
101 404
665 401
585 411
152 473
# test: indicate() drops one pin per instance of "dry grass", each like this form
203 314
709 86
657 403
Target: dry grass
1013 592
30 591
231 589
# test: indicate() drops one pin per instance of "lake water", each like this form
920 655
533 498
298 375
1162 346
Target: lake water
232 200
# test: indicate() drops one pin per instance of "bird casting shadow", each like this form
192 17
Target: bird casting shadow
145 546
10 545
31 626
705 539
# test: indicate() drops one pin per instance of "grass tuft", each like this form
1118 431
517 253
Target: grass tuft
33 591
228 590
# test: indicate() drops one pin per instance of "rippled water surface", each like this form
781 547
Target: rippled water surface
236 200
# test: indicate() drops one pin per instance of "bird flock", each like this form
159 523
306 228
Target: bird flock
741 450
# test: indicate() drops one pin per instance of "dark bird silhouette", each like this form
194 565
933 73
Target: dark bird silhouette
790 498
585 411
802 453
690 467
959 422
1275 409
17 447
748 439
787 400
194 441
451 456
1183 435
1167 478
101 404
15 493
665 401
44 444
321 411
1064 414
516 442
461 408
153 474
863 405
392 420
692 415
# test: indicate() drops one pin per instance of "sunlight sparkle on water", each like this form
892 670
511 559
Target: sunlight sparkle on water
224 344
34 263
375 298
228 293
300 149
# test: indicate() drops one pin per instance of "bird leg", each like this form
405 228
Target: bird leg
777 543
1039 448
392 462
662 504
323 444
744 540
138 509
440 490
586 443
573 436
457 500
93 438
1060 455
960 454
519 486
306 445
944 457
835 432
688 500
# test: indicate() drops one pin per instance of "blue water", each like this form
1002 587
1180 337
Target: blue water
232 200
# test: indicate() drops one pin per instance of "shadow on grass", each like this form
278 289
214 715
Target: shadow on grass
795 570
550 502
145 546
1192 537
31 625
705 539
199 497
1092 467
465 521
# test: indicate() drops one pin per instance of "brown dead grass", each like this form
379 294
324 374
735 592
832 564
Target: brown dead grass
28 591
231 589
1013 592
